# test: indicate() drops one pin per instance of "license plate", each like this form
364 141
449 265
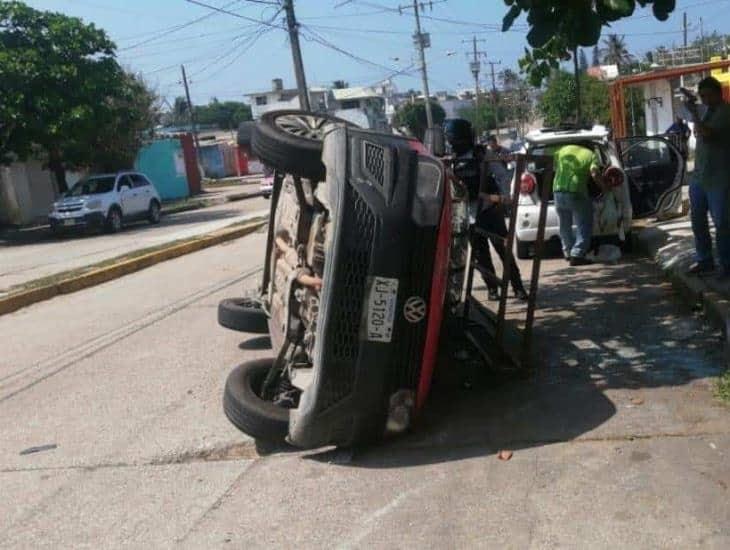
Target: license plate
69 222
381 309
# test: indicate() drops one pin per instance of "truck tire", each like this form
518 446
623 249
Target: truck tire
243 315
291 141
246 410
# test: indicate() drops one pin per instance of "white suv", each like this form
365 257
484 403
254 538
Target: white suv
645 175
106 201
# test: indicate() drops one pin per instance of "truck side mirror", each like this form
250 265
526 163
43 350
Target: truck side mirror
434 141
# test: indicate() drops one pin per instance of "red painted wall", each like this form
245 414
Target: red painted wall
191 163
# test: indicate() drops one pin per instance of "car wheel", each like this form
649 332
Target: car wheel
243 315
249 412
523 249
114 220
291 141
153 213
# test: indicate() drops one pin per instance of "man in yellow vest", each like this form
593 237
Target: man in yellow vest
575 166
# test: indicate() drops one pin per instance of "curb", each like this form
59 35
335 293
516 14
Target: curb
694 291
18 300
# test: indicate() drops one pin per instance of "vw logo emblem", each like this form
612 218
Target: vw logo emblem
414 309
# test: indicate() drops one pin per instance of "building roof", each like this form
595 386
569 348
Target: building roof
358 92
290 92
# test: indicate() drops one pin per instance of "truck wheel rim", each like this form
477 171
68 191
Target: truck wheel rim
304 126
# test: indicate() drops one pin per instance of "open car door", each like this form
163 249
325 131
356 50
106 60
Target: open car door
655 169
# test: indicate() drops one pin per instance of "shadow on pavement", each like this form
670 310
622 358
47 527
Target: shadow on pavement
599 328
256 343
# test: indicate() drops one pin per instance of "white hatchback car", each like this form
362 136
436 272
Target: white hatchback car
645 175
106 201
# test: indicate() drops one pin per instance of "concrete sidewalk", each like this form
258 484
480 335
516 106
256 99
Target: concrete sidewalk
671 245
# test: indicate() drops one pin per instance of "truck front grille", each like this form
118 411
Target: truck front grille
348 296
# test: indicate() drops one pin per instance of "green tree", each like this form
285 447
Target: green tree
615 52
413 117
120 128
515 103
558 28
558 103
61 89
227 115
483 117
180 114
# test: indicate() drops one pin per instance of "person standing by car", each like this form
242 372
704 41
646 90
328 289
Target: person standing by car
575 167
680 129
709 188
497 165
469 167
491 220
466 161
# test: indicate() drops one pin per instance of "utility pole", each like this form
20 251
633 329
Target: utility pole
423 41
494 94
475 67
191 111
684 50
296 52
702 42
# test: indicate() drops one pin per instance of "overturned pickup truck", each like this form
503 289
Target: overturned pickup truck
354 286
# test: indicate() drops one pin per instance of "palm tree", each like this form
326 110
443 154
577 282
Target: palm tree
614 51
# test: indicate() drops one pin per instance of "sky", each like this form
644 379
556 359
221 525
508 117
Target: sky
359 41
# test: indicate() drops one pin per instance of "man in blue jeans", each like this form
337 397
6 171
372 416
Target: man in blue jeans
709 189
575 166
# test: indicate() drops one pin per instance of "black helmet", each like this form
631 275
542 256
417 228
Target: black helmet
459 134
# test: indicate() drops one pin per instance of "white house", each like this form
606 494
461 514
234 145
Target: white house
278 98
362 105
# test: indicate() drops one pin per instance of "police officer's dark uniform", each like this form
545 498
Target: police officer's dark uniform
490 219
470 168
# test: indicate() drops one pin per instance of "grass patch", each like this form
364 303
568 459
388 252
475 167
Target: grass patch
723 387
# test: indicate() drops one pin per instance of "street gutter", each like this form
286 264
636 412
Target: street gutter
696 292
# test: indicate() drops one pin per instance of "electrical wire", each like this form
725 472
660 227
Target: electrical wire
312 35
233 13
177 28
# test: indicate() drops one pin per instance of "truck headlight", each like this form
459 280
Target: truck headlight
93 205
429 192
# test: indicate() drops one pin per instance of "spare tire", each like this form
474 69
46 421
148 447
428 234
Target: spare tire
243 315
246 410
291 141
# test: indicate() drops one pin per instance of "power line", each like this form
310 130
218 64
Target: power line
176 28
233 13
251 41
316 37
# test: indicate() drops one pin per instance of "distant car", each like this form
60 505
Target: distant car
645 174
106 201
267 186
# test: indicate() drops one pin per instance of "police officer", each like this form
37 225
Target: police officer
486 210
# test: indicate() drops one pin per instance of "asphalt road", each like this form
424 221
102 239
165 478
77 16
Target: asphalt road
23 259
619 441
